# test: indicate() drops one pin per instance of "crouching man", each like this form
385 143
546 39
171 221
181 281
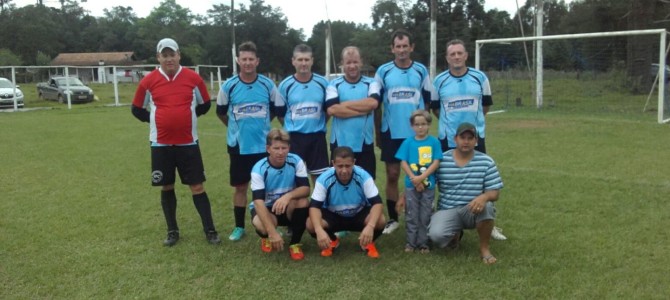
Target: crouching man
345 198
469 182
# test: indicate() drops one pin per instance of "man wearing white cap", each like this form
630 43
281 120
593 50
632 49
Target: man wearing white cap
175 97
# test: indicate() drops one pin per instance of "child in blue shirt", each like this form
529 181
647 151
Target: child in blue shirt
420 157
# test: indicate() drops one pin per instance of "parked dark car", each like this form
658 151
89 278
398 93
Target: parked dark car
59 87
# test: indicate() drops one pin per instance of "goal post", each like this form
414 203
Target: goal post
663 115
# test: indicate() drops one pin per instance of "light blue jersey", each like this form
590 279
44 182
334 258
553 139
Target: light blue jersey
249 107
304 104
356 131
404 90
461 99
348 199
419 155
460 185
270 183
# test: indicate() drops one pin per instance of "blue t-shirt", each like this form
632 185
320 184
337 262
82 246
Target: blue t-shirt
270 183
404 90
304 110
345 199
460 185
249 107
356 131
461 99
419 155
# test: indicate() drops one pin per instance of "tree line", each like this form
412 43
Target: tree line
34 34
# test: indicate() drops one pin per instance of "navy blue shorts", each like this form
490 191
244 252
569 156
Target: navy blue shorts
390 147
313 150
241 165
339 223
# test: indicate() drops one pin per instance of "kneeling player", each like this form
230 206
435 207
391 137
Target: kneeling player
345 198
280 188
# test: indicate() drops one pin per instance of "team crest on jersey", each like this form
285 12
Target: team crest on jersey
156 176
309 110
458 104
403 95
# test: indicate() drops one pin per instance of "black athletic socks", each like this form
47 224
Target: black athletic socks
298 220
239 212
201 202
169 204
390 206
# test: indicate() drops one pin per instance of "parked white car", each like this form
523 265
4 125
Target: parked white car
7 94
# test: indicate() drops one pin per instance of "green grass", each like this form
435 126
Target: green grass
584 207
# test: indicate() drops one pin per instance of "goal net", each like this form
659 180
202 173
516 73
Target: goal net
592 73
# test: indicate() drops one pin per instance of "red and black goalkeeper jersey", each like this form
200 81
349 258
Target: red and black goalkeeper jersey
172 103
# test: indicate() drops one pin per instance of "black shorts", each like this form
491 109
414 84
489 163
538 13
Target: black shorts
241 165
282 220
365 159
390 147
311 147
185 159
339 223
481 145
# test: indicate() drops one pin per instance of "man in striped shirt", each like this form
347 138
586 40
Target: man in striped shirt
469 183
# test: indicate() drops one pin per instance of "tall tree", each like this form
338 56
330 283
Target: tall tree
42 33
119 26
268 28
169 19
341 35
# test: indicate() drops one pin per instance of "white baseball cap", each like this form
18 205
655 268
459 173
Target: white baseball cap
166 43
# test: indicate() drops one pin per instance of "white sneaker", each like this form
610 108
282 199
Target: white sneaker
496 234
390 227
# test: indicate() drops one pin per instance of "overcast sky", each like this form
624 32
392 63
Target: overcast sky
300 13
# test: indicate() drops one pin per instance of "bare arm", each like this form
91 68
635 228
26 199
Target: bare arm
280 206
350 109
322 238
368 232
477 204
268 223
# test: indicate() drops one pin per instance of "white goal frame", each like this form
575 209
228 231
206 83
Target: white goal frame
539 71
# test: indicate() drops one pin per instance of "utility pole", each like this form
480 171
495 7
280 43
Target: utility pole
232 28
433 38
539 60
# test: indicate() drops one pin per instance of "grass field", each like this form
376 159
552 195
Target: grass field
583 208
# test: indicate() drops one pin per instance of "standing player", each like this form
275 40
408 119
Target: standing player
303 116
176 96
246 105
406 87
280 189
464 95
345 198
352 98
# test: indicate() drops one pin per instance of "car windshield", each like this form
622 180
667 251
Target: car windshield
71 81
6 84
